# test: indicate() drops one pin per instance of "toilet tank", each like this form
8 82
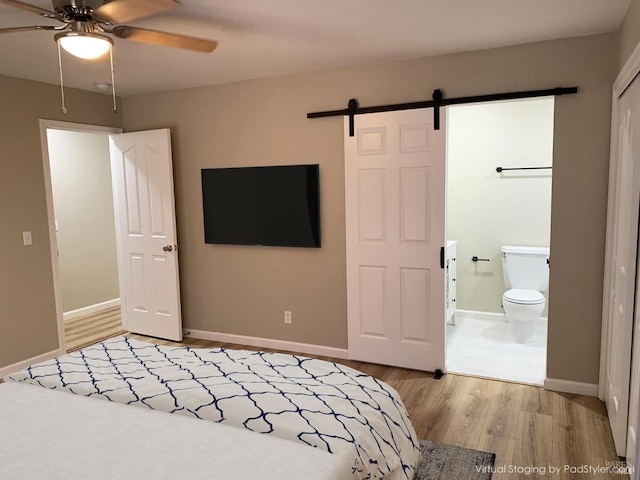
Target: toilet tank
525 267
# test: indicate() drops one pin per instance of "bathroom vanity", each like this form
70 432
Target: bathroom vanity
450 282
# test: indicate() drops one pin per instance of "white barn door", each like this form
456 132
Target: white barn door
142 173
395 228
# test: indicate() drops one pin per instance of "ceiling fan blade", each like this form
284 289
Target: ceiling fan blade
120 11
25 29
30 8
166 39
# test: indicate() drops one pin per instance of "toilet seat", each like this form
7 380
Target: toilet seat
523 297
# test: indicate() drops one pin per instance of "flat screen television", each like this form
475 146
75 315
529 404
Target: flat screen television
275 206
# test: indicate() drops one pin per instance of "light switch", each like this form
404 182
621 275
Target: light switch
26 239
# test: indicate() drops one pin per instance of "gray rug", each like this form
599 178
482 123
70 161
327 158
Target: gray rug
443 462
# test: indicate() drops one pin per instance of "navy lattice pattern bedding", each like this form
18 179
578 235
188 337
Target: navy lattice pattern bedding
322 404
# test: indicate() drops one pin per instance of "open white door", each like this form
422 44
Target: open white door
395 217
142 173
622 285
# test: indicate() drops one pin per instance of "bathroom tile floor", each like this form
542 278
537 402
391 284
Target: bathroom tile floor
484 348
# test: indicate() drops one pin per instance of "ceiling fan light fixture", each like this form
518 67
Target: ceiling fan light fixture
84 44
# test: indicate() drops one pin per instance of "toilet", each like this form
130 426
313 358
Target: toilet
526 275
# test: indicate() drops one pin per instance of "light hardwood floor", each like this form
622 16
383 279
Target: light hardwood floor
528 428
93 328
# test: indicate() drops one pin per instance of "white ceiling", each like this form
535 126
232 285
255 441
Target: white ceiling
260 38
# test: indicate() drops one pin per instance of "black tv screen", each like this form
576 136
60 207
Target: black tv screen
276 206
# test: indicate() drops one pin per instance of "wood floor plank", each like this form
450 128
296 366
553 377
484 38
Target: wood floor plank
527 427
92 328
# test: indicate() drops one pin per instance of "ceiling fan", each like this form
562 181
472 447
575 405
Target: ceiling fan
85 23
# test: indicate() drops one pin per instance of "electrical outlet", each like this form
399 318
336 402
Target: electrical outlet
287 316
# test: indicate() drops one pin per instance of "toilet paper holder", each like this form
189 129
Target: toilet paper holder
476 259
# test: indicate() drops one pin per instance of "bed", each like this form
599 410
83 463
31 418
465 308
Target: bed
355 419
53 435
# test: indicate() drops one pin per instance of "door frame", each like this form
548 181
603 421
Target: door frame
53 241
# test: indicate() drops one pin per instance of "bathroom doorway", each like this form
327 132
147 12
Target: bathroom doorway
499 174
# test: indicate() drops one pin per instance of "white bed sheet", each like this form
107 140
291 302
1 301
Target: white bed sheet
48 434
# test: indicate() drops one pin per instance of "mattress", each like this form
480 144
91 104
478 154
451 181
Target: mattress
51 435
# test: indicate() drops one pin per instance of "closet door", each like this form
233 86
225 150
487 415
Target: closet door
622 274
633 422
395 198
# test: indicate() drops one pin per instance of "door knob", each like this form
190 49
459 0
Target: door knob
167 248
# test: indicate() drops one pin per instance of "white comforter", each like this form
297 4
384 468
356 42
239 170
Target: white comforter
318 403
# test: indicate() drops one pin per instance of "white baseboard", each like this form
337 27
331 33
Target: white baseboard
8 370
489 316
568 386
306 348
91 309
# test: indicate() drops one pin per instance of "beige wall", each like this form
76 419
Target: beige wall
629 32
83 204
486 209
27 310
244 290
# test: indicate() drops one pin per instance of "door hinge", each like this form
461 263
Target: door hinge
441 257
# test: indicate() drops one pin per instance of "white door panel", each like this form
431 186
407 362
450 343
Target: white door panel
146 233
633 421
394 187
623 275
633 152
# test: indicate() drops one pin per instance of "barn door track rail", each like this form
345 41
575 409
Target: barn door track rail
437 101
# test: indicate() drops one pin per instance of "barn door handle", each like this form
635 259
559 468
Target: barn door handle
167 248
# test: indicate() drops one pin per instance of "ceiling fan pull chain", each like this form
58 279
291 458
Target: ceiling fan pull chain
113 81
63 108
